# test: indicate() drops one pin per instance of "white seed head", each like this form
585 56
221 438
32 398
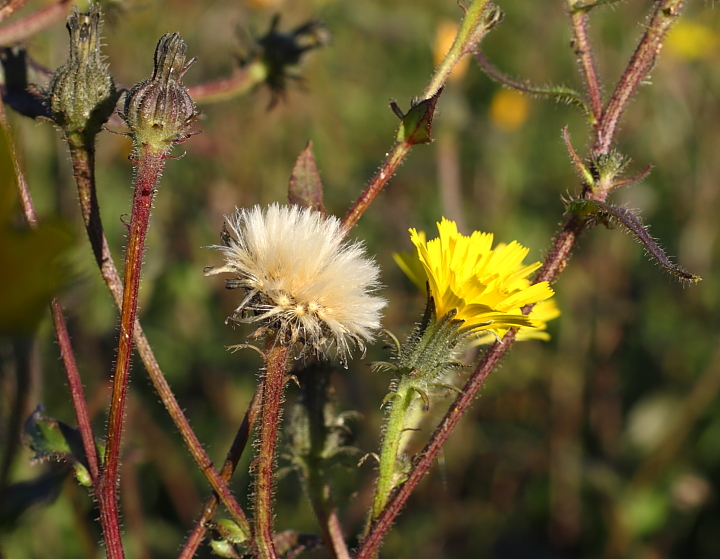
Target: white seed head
301 278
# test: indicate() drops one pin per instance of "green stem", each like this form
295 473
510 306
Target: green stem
273 387
476 23
472 29
394 430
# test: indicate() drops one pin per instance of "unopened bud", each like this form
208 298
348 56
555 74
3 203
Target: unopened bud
82 95
159 111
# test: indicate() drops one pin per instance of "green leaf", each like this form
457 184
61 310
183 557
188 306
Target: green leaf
230 531
51 439
224 548
416 125
606 214
305 188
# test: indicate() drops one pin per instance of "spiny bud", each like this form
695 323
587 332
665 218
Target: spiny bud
159 111
82 95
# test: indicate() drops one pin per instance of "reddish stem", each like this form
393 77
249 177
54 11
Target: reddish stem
239 83
231 462
76 388
387 170
273 387
82 154
28 26
10 8
583 51
642 62
149 168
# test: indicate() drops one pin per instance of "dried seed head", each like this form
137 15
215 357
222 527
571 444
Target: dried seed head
301 279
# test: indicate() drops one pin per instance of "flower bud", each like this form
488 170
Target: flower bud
82 95
159 110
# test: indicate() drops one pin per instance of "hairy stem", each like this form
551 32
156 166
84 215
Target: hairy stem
149 168
472 29
82 154
273 387
229 466
586 59
664 14
381 178
475 25
394 430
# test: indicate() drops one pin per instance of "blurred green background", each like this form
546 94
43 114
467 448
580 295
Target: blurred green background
604 442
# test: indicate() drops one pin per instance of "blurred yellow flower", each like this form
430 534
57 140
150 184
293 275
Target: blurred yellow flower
690 40
486 287
508 109
444 37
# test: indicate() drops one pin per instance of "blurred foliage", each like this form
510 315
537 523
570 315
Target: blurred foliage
604 442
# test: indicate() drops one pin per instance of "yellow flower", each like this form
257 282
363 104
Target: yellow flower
486 287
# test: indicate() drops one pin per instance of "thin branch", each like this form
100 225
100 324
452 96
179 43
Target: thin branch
10 8
240 82
83 161
28 26
559 93
583 50
479 18
228 469
641 64
387 170
273 386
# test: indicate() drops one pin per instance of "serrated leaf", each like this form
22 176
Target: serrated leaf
607 213
305 188
51 439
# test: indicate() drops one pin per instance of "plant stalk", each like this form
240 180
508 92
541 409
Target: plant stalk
239 83
664 15
228 469
583 51
82 154
149 168
34 23
273 387
394 430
